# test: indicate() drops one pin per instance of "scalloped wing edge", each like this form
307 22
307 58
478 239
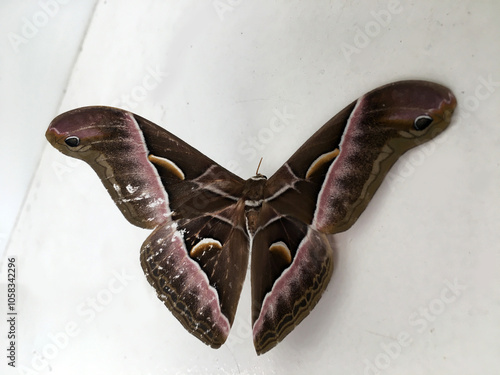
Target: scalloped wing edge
296 292
182 285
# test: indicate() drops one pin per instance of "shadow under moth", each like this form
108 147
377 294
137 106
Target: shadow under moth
205 219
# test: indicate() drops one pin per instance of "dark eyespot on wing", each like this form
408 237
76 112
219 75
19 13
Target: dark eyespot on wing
422 122
72 141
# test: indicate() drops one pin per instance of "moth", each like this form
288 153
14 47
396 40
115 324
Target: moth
206 219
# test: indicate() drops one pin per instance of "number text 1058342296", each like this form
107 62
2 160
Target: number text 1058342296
11 312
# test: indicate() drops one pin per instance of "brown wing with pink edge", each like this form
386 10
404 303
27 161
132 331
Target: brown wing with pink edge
323 188
205 217
196 258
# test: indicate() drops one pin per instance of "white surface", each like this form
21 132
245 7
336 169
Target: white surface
39 44
218 80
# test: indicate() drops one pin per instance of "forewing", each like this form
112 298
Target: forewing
338 170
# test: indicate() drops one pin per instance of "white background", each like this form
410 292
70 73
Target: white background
416 285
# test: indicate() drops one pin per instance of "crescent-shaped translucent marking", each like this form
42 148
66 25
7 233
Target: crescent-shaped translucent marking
281 249
168 164
203 245
325 158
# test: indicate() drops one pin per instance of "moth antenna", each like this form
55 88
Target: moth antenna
257 171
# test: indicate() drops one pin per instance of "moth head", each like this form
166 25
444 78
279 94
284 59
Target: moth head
414 109
78 133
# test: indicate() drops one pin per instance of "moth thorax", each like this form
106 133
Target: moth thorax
254 188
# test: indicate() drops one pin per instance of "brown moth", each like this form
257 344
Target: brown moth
205 218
